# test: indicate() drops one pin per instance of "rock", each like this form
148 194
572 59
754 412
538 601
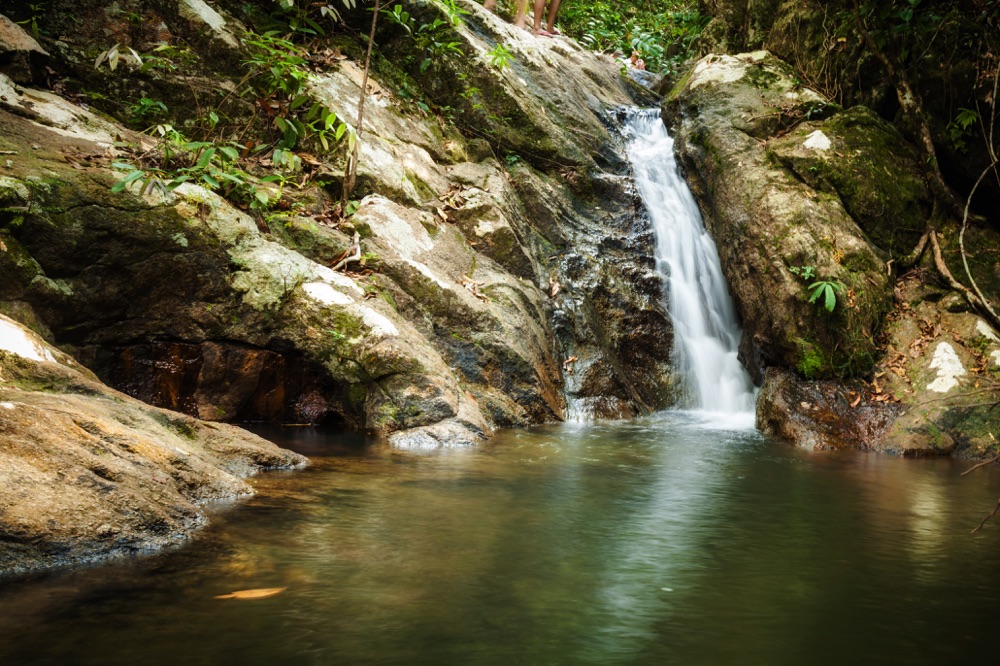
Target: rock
21 58
646 79
447 320
736 120
87 472
861 159
200 13
823 414
940 365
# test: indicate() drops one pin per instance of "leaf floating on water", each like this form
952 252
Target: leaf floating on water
259 593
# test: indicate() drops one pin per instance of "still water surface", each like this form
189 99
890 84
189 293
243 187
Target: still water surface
650 542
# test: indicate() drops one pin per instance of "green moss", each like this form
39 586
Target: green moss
357 393
760 77
679 86
811 363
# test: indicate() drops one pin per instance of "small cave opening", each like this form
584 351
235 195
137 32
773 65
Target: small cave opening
225 381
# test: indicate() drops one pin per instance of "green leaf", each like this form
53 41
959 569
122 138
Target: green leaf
831 299
206 158
230 153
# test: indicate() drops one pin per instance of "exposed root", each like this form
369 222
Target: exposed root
352 254
975 301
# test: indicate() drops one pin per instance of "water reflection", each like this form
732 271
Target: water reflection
644 542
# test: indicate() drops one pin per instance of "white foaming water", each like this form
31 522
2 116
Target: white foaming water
706 329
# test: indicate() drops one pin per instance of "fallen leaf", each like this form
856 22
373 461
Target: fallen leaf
259 593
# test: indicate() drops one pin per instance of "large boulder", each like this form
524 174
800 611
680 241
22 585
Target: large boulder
87 472
740 121
787 181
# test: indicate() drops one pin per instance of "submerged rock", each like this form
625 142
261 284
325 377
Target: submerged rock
87 472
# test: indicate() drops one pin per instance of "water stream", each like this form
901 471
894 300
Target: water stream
648 542
706 328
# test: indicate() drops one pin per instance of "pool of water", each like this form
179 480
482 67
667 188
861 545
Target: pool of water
655 541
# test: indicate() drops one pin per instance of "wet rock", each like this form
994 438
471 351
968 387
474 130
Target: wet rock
87 472
449 316
823 414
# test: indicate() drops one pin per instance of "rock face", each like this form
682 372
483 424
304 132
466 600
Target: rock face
739 120
787 180
87 472
492 292
21 58
820 39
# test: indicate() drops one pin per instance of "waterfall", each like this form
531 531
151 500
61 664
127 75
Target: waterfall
706 329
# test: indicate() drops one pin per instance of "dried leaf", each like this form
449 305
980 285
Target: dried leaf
259 593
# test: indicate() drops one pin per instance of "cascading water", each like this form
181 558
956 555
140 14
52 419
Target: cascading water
706 330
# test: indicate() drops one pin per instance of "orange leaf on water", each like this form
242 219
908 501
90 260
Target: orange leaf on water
260 593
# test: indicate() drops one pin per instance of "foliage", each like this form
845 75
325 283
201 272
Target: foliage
117 54
36 10
959 128
662 31
146 110
436 38
500 57
213 165
279 81
805 272
822 291
826 290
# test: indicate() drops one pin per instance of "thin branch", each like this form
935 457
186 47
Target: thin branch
969 295
353 165
353 253
988 516
982 464
961 240
912 258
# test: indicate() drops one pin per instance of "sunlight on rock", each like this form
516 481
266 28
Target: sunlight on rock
17 341
817 141
949 368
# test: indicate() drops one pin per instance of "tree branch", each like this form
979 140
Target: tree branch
352 167
971 297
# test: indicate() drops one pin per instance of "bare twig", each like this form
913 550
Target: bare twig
988 516
912 258
961 240
982 464
969 295
352 167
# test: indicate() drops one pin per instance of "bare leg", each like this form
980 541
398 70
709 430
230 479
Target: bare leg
553 10
539 10
521 8
489 5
